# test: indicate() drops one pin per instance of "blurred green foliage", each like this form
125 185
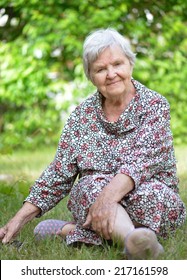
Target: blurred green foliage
41 71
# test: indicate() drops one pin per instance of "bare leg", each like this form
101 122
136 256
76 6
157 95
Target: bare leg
123 224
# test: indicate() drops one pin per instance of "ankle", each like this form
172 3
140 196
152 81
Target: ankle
66 229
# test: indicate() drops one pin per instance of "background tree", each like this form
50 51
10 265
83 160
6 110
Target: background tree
41 70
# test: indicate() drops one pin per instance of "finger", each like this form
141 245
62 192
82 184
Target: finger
108 226
7 238
87 223
105 230
2 233
111 227
97 227
111 221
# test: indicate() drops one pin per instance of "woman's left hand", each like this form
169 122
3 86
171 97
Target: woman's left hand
101 216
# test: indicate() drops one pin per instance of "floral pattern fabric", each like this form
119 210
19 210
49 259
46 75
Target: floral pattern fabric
93 149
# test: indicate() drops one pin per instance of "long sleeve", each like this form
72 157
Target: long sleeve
58 178
152 155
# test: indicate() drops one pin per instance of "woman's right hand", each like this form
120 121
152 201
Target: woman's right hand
13 227
10 230
2 232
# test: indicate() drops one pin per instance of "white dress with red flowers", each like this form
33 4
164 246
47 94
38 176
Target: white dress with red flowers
139 144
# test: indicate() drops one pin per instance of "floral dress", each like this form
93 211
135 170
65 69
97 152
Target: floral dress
94 150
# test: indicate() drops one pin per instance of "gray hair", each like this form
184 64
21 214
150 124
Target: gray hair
98 41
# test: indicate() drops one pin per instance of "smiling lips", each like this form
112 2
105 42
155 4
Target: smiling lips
113 83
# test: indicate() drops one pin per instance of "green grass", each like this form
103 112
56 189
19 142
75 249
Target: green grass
24 167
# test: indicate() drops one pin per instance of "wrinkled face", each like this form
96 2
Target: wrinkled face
111 72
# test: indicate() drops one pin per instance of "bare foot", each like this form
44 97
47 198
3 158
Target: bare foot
142 244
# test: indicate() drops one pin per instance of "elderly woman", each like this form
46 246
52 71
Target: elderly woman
119 144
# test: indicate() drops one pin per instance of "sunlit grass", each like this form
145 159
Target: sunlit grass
26 164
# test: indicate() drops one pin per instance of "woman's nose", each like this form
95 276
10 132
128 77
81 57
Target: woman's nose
111 73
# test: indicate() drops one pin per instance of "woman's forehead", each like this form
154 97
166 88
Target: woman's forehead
110 53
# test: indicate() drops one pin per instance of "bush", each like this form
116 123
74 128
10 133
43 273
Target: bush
42 78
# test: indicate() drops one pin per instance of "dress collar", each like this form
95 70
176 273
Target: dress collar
128 120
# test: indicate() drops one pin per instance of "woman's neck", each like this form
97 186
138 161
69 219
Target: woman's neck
113 112
114 107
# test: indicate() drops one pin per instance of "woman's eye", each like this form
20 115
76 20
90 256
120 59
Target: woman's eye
117 64
100 70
